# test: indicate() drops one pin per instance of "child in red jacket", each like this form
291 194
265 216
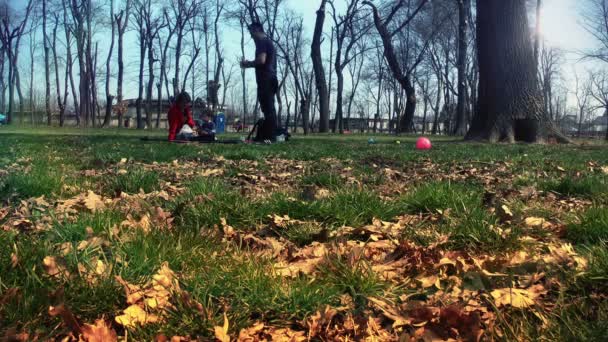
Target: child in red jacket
180 114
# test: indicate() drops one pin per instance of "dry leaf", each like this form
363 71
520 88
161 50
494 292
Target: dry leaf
518 298
429 281
134 315
534 221
93 202
221 333
101 331
55 267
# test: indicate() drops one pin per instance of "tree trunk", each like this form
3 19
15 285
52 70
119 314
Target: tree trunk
510 104
60 101
319 70
538 33
338 120
461 119
109 98
140 88
122 21
47 70
403 78
150 88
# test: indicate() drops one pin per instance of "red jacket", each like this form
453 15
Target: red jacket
177 120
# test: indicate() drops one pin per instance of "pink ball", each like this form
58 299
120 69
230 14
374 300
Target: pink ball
423 144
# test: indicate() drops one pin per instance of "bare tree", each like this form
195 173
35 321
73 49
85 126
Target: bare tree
599 92
11 32
122 22
550 64
60 101
402 73
184 11
596 23
583 94
317 61
349 28
109 97
47 70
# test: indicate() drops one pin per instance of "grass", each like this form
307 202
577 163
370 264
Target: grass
226 277
592 229
592 186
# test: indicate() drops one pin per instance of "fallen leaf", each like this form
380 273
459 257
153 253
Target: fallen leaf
93 202
518 298
534 221
101 331
221 333
429 281
134 315
55 267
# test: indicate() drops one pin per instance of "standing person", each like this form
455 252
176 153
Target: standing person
180 114
265 65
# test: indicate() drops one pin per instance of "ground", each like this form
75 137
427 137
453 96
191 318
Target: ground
105 236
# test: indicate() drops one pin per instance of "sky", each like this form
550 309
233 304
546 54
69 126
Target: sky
562 28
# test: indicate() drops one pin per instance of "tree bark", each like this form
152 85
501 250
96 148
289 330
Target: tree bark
317 61
122 22
403 78
510 103
109 97
538 33
60 101
47 70
461 119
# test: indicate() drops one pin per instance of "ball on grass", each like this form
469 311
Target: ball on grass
423 144
398 142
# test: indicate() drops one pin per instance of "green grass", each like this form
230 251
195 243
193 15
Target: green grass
225 277
592 186
132 180
593 227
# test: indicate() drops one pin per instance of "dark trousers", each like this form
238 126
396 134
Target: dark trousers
267 90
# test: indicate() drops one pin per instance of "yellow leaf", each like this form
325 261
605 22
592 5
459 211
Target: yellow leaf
605 170
518 298
221 333
134 315
534 221
430 281
561 169
93 202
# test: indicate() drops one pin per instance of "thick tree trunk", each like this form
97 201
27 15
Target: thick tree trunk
47 69
319 70
510 103
461 119
537 36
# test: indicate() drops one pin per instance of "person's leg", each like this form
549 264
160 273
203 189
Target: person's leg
266 94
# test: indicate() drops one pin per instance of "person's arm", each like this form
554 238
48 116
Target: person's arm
260 60
261 54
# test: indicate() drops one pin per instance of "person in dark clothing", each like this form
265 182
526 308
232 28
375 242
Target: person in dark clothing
265 65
